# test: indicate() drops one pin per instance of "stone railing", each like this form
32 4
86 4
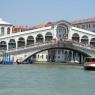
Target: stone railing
87 46
33 46
53 42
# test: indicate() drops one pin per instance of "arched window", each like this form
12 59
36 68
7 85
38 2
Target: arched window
30 40
8 30
11 44
84 39
2 31
62 31
48 36
39 38
21 42
75 37
92 42
3 45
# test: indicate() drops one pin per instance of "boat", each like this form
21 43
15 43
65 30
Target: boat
89 63
19 61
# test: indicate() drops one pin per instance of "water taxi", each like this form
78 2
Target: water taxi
89 63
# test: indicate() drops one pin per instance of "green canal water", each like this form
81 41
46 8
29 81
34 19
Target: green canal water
46 79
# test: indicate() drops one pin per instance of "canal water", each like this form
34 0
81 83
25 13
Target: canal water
46 79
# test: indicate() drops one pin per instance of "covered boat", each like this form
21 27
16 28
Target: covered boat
89 63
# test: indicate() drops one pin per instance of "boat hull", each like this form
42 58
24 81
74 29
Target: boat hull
89 66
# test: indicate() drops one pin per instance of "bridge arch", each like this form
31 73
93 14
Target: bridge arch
3 45
75 37
48 36
21 42
84 39
12 44
39 38
30 40
66 57
92 42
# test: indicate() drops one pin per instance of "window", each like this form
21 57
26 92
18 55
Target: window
38 55
58 51
93 25
83 26
58 57
46 56
2 30
8 30
88 26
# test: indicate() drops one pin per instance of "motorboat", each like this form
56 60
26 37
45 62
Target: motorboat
89 63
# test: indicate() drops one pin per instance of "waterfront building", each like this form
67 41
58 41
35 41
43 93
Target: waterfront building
16 39
87 24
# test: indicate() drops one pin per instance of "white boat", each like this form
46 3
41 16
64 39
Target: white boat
89 63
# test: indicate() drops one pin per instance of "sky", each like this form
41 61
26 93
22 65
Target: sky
31 12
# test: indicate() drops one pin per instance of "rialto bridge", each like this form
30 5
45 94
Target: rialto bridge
59 41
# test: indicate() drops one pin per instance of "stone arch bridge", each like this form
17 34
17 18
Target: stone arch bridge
32 50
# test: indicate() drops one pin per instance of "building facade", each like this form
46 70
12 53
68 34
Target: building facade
87 24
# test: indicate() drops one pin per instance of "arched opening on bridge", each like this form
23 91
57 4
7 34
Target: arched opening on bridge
3 45
92 42
8 30
2 31
84 39
12 44
75 37
39 38
62 31
21 42
30 40
48 37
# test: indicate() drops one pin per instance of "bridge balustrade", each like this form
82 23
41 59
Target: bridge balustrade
52 42
83 45
36 45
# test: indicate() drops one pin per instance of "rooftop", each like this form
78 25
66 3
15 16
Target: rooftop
4 22
83 20
25 28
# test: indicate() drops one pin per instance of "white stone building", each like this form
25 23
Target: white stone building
87 24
